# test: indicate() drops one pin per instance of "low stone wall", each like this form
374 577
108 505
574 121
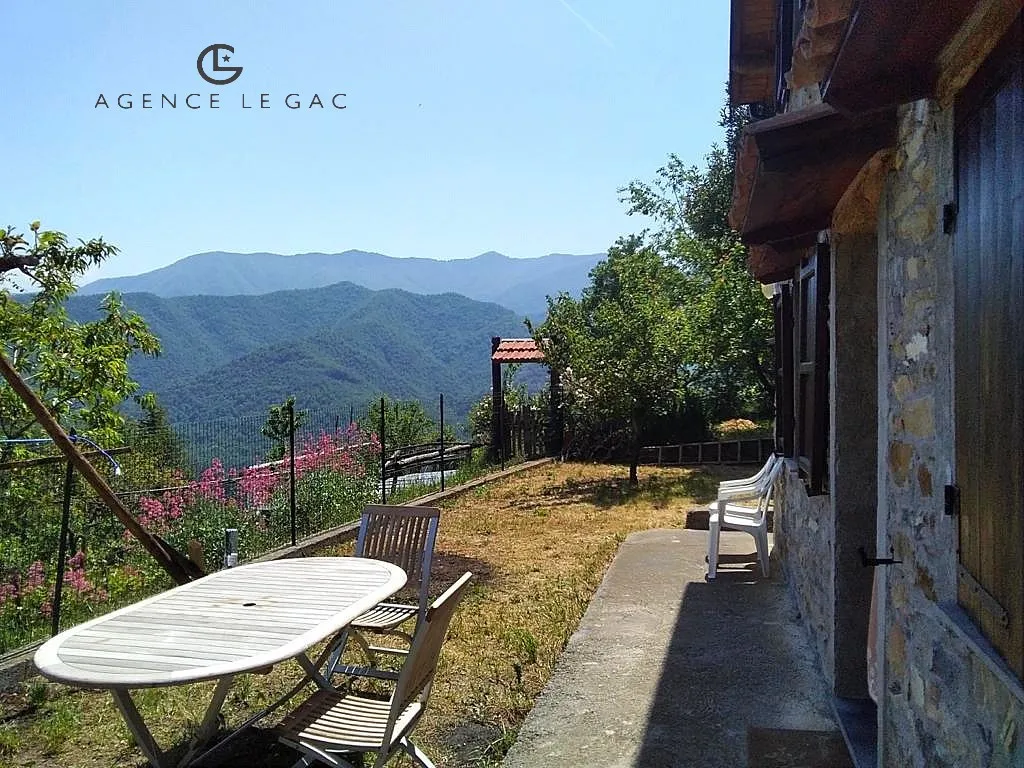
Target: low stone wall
803 541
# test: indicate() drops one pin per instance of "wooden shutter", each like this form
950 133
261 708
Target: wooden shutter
784 392
989 348
811 369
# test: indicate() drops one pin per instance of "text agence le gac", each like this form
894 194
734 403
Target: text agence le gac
213 101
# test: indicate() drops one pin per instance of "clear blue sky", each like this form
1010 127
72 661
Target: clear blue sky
471 125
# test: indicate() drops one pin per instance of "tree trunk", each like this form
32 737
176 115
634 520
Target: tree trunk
634 450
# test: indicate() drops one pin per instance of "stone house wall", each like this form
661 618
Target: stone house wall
803 541
947 700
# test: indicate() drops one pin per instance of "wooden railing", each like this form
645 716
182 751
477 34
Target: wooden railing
753 450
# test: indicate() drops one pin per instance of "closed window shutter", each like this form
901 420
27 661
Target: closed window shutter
784 384
812 365
988 275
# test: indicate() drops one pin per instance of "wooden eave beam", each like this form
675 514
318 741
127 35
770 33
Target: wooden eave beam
888 55
751 51
793 169
771 264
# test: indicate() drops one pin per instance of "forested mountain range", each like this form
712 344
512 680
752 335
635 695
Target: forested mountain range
519 284
336 346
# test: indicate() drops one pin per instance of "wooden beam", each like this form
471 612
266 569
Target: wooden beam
496 448
177 565
792 169
889 53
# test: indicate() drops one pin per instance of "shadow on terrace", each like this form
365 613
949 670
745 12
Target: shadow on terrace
669 670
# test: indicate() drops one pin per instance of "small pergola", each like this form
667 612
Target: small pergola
521 351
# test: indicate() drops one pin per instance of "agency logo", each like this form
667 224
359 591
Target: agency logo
217 56
214 66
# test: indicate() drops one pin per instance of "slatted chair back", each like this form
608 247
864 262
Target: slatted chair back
404 536
764 501
757 477
417 675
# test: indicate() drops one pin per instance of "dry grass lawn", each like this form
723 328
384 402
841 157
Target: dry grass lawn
538 543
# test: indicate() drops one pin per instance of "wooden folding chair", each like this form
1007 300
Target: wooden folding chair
404 536
332 723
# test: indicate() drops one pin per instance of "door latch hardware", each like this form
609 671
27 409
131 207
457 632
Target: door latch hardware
949 212
871 562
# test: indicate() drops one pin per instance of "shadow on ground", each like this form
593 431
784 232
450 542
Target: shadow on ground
449 566
699 486
667 670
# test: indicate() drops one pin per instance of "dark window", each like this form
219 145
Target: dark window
788 21
988 274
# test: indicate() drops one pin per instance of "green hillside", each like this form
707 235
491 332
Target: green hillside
336 347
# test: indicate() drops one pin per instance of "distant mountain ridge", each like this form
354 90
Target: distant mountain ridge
332 347
519 284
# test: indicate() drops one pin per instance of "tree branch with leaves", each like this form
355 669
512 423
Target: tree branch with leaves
79 370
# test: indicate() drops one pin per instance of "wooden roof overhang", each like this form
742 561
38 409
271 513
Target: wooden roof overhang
888 55
752 52
791 171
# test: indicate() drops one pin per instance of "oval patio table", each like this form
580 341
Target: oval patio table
238 620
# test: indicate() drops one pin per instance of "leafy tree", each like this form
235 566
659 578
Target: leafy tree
80 370
620 347
405 423
157 453
731 324
278 427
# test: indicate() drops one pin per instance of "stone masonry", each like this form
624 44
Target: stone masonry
946 701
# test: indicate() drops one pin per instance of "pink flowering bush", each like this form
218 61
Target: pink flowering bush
27 597
335 478
337 473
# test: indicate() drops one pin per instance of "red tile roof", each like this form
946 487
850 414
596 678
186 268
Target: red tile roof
518 351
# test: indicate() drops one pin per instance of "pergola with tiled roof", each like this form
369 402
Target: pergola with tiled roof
520 351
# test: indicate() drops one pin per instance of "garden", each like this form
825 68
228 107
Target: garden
538 543
336 473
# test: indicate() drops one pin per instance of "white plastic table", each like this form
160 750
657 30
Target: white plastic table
233 621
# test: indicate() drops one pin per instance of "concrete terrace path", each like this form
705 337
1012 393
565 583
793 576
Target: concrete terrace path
668 670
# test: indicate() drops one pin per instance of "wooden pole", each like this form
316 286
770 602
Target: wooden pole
179 568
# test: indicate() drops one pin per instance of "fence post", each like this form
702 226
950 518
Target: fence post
62 548
231 547
291 466
501 426
383 459
442 440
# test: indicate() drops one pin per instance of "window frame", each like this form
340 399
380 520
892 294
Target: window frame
784 382
811 363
